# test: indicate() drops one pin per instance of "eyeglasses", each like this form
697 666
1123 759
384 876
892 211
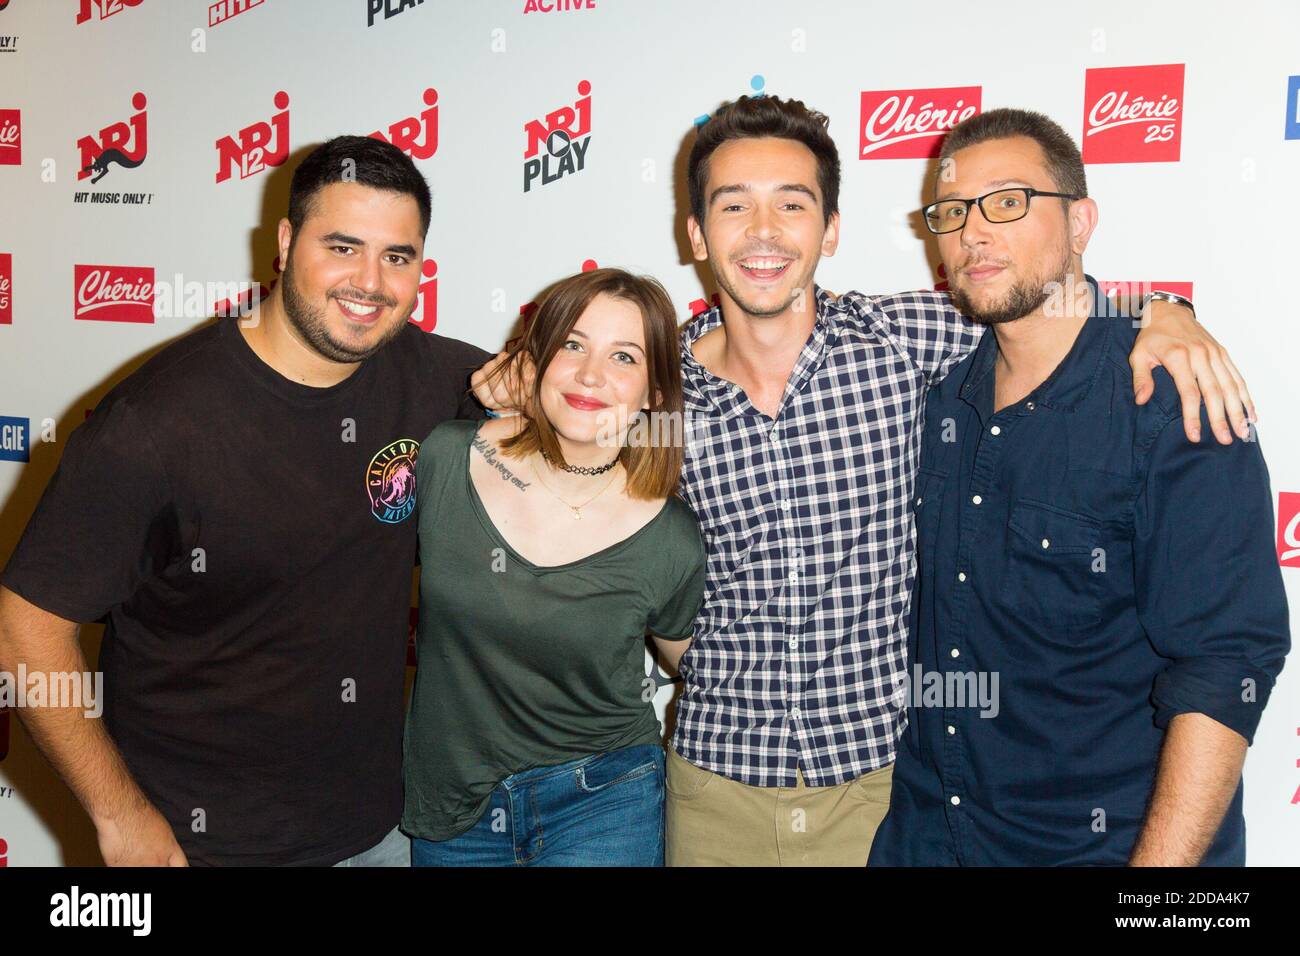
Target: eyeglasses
1005 205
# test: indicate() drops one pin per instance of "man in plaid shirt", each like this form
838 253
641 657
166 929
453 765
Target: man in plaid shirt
804 414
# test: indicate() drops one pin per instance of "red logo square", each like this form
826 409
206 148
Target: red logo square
911 124
1288 529
1133 114
11 137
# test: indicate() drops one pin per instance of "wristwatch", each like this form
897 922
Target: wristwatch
1167 297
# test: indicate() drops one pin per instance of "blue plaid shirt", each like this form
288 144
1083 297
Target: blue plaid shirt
800 647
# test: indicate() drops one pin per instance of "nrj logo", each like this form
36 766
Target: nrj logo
104 8
1133 114
1288 529
390 481
566 134
911 124
11 137
425 315
114 293
417 135
258 146
125 144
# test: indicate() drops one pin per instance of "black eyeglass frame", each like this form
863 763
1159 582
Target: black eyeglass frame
1029 191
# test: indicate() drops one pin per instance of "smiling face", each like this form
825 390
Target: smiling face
1000 272
764 227
352 273
597 381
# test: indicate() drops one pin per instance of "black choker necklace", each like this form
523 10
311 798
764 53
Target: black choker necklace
580 469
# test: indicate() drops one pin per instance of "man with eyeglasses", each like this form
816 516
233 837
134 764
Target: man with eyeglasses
1113 585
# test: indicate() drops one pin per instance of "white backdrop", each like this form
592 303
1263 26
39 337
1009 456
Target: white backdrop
1210 214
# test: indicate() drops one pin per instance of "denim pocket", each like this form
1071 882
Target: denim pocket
619 766
1050 579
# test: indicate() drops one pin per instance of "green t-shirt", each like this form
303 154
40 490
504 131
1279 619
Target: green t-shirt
523 666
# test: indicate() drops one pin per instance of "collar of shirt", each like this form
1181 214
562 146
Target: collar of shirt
1069 383
727 397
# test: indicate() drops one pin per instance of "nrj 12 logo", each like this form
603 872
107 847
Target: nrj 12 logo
125 144
256 147
1133 114
417 135
390 481
911 124
105 8
566 134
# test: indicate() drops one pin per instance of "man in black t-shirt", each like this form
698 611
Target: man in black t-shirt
240 510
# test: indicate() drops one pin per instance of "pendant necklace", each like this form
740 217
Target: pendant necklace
577 509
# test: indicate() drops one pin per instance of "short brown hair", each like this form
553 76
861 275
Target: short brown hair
754 117
1064 162
653 469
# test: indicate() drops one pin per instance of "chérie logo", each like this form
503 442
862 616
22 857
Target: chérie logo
911 124
1133 114
11 137
417 135
114 293
566 134
257 146
6 288
1288 529
124 144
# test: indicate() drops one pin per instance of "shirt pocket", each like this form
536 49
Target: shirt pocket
1050 579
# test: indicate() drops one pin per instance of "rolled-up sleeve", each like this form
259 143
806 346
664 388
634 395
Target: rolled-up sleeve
1209 589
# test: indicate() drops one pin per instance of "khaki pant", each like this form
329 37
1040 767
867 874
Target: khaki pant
715 821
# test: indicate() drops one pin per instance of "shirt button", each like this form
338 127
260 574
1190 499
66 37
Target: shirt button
918 502
976 500
955 800
794 577
995 430
952 729
961 575
1046 544
1029 406
794 642
794 712
955 653
785 504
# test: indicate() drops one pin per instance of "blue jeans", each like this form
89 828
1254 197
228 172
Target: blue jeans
602 810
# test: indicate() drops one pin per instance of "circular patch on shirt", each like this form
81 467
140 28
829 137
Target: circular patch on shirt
390 481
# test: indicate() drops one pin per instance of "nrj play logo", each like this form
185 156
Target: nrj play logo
566 134
123 144
104 8
417 135
256 147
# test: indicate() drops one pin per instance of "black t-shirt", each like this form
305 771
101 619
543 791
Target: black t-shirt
251 541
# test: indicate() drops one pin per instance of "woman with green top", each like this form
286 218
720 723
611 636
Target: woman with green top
550 543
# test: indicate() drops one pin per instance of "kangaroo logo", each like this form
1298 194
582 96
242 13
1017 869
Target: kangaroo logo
114 144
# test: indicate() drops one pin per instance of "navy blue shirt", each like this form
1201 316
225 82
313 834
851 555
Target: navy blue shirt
1085 573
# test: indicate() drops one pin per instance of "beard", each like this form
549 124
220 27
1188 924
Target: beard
311 324
1020 300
